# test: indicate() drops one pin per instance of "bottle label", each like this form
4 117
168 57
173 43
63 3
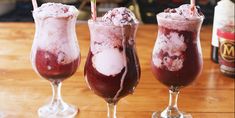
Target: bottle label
227 50
227 56
226 36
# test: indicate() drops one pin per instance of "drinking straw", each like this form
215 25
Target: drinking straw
93 9
192 4
35 5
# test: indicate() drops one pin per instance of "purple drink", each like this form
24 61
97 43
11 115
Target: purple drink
177 68
49 68
55 53
107 86
112 68
177 58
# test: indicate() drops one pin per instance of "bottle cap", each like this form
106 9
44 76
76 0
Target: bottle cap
225 7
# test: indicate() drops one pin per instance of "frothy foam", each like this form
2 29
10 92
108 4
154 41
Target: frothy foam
183 18
119 17
184 12
55 10
103 37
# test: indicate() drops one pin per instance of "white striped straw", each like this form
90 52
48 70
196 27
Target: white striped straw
93 9
35 5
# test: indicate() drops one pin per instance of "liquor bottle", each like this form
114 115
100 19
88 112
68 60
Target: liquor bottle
223 15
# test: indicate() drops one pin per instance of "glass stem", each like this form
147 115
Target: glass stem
112 110
56 102
172 110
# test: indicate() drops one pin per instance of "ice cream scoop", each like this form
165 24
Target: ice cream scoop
119 17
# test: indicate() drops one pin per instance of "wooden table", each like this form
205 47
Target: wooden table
22 92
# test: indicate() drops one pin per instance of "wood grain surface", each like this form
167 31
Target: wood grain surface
22 92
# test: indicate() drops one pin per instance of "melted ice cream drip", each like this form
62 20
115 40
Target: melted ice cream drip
125 66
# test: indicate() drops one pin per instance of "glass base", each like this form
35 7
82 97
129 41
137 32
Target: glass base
48 111
2 115
183 115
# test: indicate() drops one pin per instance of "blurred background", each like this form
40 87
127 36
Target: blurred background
145 10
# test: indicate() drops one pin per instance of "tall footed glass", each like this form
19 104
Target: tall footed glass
177 57
112 69
55 54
